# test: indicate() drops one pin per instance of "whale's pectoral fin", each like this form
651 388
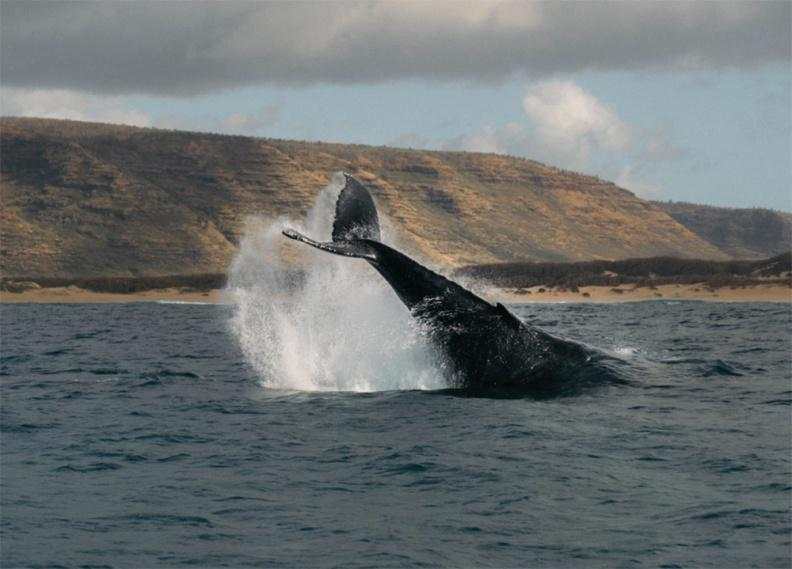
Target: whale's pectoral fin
356 248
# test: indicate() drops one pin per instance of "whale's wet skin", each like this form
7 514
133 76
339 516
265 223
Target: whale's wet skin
483 347
140 435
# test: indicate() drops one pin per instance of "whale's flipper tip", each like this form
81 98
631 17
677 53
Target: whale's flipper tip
292 234
356 215
358 249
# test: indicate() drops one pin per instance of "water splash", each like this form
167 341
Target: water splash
333 326
625 352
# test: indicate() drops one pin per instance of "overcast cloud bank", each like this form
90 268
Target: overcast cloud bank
185 49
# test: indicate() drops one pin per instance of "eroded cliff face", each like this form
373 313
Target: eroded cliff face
85 199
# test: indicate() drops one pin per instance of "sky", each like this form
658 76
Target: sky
675 101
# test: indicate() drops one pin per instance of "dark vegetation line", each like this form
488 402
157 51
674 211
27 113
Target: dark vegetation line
127 285
641 272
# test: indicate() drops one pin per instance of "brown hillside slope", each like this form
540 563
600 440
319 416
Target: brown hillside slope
751 233
84 199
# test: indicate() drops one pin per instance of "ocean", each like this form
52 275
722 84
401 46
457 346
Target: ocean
147 435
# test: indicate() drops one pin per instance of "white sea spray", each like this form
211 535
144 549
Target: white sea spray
338 327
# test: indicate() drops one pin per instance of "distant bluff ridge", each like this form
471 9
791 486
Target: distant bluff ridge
86 199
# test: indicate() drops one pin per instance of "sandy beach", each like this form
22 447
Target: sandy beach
628 293
758 293
76 295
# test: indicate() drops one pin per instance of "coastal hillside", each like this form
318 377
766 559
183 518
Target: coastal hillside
87 200
754 233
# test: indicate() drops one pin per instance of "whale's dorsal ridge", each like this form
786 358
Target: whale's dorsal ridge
508 316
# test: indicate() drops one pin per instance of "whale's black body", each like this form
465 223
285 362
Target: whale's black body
487 346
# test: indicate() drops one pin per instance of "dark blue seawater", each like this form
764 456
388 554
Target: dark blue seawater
136 436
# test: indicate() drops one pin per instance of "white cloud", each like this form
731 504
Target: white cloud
74 105
567 126
571 123
68 104
564 125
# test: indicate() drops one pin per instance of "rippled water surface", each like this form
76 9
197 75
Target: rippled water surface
138 435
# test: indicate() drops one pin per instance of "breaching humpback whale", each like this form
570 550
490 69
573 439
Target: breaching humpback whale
488 348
